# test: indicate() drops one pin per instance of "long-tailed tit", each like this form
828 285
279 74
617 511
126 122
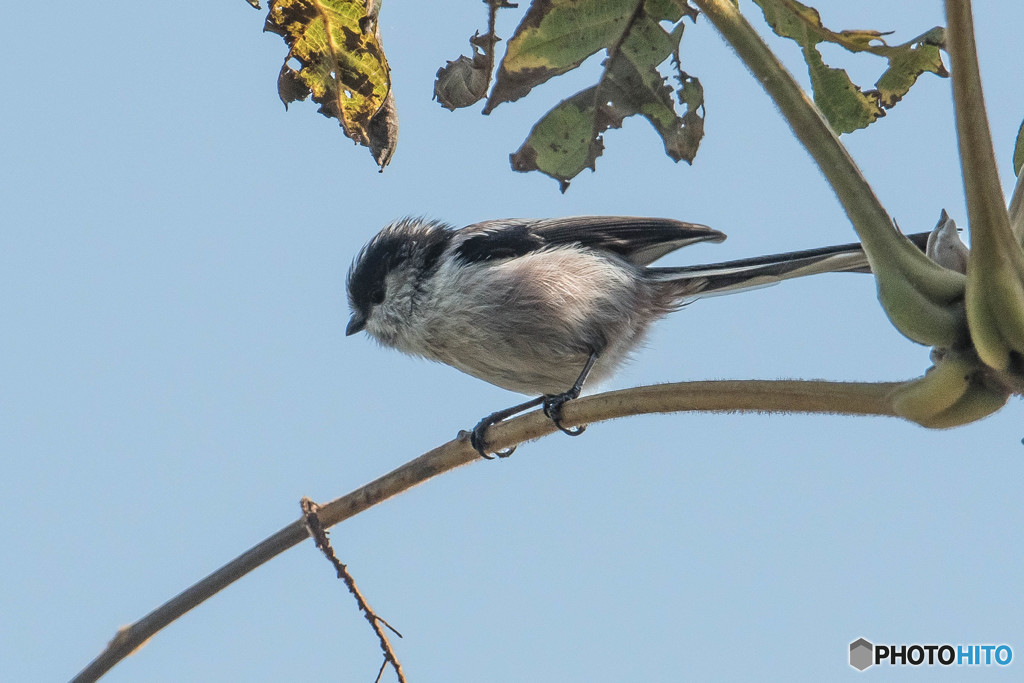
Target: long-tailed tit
540 306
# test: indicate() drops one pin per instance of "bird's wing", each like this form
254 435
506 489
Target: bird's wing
639 240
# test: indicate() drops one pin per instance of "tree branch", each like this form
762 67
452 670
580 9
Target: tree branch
723 396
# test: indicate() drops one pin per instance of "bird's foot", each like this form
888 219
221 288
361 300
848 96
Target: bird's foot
553 408
479 443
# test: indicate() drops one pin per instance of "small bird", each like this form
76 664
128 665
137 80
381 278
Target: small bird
539 306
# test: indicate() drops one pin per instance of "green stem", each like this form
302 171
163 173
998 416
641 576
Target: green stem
986 207
886 248
1017 209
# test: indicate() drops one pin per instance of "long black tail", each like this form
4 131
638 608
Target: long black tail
733 276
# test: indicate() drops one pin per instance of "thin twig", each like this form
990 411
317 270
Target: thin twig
724 396
489 40
383 665
310 511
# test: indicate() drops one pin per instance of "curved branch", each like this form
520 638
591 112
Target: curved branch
723 396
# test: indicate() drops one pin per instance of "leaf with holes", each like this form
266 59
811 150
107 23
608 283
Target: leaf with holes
340 62
556 36
907 62
569 138
846 106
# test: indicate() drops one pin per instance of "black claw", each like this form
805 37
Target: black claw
572 431
553 409
476 437
479 443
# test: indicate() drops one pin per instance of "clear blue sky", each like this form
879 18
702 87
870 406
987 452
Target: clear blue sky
174 375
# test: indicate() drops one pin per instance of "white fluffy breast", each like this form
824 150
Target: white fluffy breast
527 324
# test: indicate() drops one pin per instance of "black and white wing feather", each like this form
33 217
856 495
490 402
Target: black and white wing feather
639 240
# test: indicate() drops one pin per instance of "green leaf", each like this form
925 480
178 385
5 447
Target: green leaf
341 64
563 143
669 10
569 138
907 62
555 37
846 106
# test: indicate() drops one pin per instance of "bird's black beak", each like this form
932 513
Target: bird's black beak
355 324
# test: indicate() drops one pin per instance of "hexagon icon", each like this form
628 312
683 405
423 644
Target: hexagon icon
861 654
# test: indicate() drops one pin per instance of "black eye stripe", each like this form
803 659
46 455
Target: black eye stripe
403 240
